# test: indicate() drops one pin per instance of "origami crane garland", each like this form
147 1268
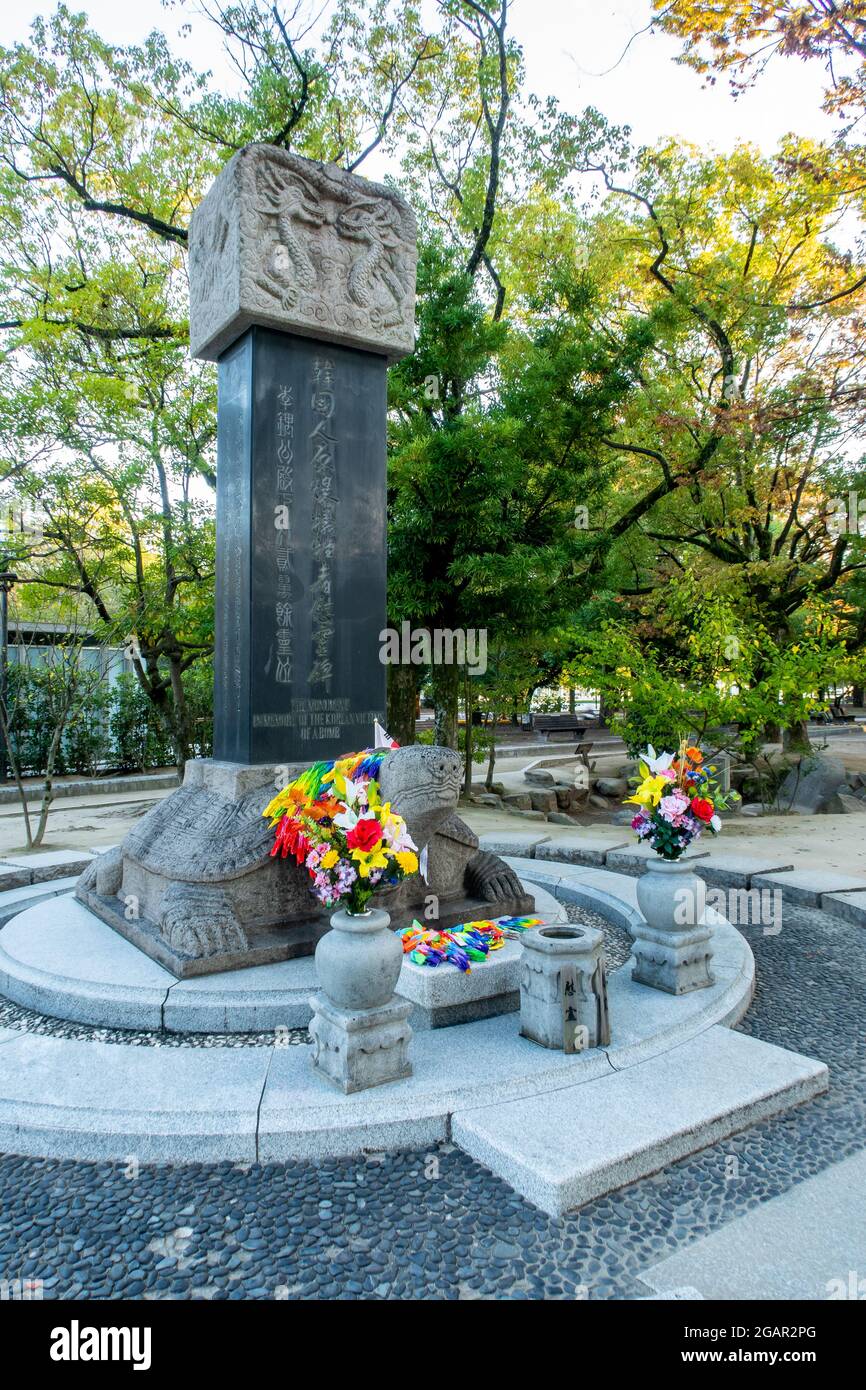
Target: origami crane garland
463 944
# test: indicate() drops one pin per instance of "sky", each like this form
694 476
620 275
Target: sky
573 50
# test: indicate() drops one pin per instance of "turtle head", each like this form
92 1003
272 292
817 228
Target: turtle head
422 784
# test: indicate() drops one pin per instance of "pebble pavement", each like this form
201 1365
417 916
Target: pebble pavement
435 1224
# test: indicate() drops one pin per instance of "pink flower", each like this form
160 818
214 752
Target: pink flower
673 806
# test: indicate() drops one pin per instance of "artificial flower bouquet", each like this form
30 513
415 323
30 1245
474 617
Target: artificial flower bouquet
678 800
332 820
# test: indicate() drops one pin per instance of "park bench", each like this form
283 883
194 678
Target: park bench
548 724
833 715
838 715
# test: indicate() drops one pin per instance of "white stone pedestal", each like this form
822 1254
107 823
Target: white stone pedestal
676 962
359 1048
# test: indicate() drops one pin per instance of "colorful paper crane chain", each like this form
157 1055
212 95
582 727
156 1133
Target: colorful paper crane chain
463 944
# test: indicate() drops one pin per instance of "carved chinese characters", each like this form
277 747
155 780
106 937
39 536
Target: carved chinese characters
285 431
324 477
300 565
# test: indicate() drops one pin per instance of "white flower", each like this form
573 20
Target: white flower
657 762
395 833
348 819
716 823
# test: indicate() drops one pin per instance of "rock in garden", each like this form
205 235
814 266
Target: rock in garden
539 777
517 801
612 786
543 801
808 787
843 803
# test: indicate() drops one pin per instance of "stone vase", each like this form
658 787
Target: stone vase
358 961
667 893
360 1028
673 947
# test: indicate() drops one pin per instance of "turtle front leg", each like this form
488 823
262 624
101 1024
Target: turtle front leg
198 921
489 877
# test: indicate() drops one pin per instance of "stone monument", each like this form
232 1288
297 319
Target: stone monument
302 288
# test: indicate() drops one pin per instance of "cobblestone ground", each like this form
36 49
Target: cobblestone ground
435 1223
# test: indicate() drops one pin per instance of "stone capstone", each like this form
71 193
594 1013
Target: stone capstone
305 247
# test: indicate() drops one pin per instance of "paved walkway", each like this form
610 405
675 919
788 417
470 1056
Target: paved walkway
435 1223
820 842
755 1256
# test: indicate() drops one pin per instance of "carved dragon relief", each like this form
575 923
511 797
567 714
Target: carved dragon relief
328 254
286 266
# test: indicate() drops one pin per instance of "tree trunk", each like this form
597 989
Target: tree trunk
12 763
491 757
796 738
571 699
402 694
857 696
446 692
468 706
180 720
50 764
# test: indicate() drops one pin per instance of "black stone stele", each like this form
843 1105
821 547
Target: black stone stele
301 568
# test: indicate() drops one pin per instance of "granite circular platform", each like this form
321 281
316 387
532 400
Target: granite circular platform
93 1099
61 960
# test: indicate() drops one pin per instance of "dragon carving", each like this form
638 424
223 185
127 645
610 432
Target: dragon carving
288 268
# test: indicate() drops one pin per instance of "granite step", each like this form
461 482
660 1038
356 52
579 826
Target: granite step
564 1149
15 900
20 870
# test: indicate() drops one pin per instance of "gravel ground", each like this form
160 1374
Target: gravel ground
436 1224
26 1020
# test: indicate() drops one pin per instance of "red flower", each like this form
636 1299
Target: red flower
365 836
703 809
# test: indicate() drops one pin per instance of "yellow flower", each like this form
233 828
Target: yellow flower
407 860
330 859
650 791
369 859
